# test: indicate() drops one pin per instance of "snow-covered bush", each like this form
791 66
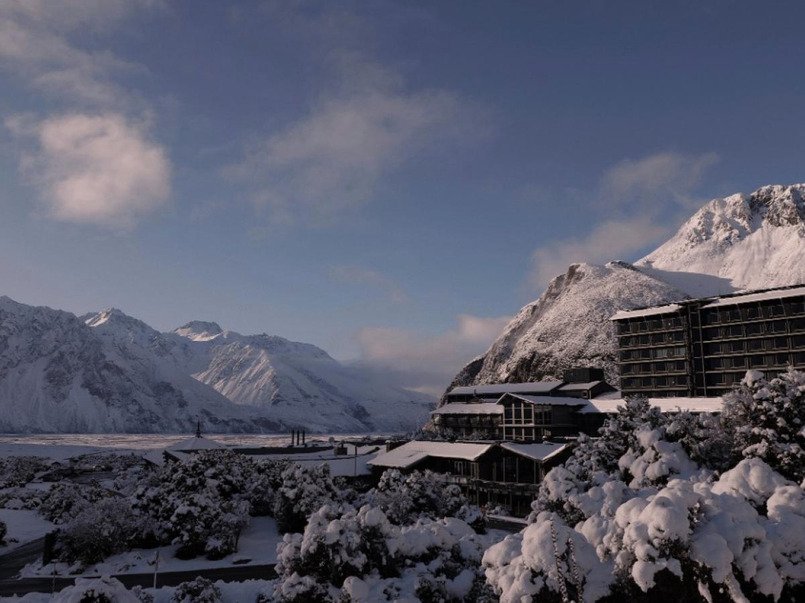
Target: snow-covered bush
303 491
666 526
548 561
201 504
766 419
263 487
200 590
65 500
20 498
99 530
406 497
96 590
19 470
362 555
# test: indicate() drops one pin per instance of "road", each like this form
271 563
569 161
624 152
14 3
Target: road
11 563
227 574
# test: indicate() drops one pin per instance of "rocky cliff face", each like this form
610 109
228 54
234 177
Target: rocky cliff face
740 242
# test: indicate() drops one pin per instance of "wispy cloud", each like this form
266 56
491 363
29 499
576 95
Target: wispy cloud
637 203
357 275
93 159
97 169
427 363
365 122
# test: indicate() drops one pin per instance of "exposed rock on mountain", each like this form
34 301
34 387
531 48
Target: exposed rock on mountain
739 242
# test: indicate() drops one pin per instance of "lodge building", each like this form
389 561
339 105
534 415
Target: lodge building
703 347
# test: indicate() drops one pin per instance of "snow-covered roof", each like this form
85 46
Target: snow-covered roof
538 452
194 443
610 405
536 387
576 387
548 400
655 310
411 453
756 297
460 408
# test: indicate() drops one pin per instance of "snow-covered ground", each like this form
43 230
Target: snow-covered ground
23 526
257 546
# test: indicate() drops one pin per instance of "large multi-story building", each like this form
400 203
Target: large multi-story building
703 347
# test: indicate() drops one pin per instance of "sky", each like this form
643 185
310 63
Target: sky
390 181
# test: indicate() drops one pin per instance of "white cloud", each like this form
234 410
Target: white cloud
428 363
607 241
662 177
637 203
333 158
35 44
372 278
96 169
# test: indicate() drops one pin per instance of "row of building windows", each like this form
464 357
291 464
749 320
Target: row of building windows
653 353
654 339
754 329
671 366
753 312
757 361
651 324
755 345
524 433
523 413
654 381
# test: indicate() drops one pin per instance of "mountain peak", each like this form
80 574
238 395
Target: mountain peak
199 330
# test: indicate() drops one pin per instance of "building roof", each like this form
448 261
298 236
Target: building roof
194 444
547 400
536 387
538 452
462 408
756 297
610 405
655 310
412 453
580 387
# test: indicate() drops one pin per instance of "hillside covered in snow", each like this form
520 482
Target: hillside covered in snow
740 242
109 372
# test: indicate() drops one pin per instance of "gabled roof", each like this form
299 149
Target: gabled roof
667 309
610 405
756 297
410 454
536 387
461 408
538 452
545 400
580 387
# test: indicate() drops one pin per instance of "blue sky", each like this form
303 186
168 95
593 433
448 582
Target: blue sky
388 180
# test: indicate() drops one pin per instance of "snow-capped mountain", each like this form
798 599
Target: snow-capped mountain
739 242
109 372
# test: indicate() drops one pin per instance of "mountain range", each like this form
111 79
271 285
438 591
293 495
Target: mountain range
110 372
734 243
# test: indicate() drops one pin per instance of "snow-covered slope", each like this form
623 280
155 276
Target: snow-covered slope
568 325
109 372
58 374
739 242
295 383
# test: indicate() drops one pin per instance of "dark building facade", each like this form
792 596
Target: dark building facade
703 347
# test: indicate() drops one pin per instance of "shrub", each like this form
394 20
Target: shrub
304 490
65 500
200 590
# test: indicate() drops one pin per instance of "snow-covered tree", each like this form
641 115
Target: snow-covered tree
19 470
96 590
65 500
407 497
304 490
200 590
99 530
361 556
766 420
201 504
